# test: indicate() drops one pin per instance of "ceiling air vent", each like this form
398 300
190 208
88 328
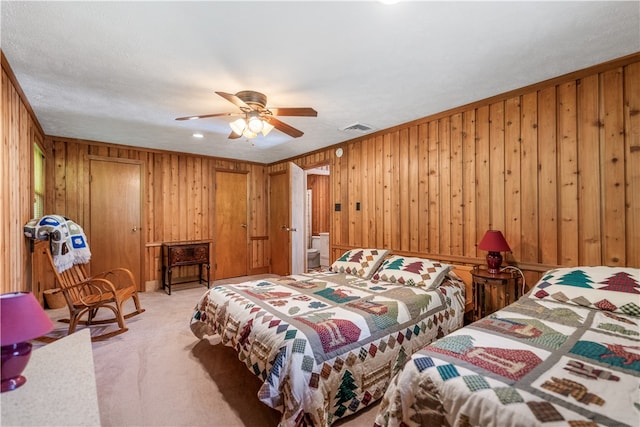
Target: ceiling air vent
357 127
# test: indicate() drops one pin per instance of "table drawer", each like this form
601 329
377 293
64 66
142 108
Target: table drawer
191 254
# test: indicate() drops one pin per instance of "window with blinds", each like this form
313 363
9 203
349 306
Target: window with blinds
38 182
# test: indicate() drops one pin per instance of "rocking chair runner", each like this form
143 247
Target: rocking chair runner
86 294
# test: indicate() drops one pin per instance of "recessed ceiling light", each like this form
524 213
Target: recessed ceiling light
198 135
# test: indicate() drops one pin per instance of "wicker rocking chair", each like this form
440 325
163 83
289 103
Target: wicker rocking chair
86 294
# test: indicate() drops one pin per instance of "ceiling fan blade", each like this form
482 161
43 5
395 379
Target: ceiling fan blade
302 111
235 100
204 116
283 127
234 135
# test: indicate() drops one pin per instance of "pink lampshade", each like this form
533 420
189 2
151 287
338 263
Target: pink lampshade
494 241
23 318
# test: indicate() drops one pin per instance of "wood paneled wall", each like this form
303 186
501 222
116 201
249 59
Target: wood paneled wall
555 167
19 131
179 196
320 203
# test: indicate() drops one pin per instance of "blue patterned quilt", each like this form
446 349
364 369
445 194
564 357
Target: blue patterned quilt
326 334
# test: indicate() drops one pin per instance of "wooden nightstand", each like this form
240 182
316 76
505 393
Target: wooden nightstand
491 292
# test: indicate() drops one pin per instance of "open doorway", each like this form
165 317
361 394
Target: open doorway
317 214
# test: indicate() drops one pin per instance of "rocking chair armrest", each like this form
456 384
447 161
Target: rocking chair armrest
120 277
91 287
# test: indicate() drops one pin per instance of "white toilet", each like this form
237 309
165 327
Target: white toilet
313 253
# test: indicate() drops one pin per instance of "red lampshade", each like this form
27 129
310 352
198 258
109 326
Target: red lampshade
23 318
493 241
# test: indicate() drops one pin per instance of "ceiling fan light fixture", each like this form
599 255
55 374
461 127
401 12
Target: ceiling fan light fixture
255 124
249 134
266 127
238 126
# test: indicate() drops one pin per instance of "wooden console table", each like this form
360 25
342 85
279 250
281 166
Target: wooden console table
178 254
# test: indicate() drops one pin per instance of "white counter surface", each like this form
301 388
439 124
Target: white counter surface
60 388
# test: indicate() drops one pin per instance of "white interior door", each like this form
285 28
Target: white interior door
298 192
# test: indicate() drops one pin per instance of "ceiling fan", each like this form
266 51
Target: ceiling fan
255 116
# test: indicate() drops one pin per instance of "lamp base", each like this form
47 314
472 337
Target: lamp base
494 260
14 359
13 383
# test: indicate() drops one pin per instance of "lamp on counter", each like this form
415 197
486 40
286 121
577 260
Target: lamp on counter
494 242
22 319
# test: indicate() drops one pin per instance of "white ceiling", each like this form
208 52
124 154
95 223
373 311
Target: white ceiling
121 72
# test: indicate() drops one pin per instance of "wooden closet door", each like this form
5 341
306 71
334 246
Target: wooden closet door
231 243
115 237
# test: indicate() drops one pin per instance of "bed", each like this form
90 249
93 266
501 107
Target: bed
326 344
565 354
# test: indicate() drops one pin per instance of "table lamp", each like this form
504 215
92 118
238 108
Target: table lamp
22 319
494 242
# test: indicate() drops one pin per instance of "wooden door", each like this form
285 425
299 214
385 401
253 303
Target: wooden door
231 244
115 237
286 221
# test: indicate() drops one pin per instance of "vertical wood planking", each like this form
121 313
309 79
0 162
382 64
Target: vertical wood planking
444 175
403 193
423 178
469 183
336 174
434 189
528 178
512 184
483 180
456 222
568 174
547 178
394 190
413 190
589 188
613 166
387 189
380 193
632 159
496 167
364 192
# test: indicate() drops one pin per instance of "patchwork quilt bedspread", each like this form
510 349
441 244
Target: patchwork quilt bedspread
566 354
326 344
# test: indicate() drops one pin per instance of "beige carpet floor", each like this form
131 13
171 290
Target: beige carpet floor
159 374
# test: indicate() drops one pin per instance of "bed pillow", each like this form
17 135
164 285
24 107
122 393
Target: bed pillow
412 271
614 289
359 262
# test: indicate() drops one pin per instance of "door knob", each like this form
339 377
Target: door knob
134 229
